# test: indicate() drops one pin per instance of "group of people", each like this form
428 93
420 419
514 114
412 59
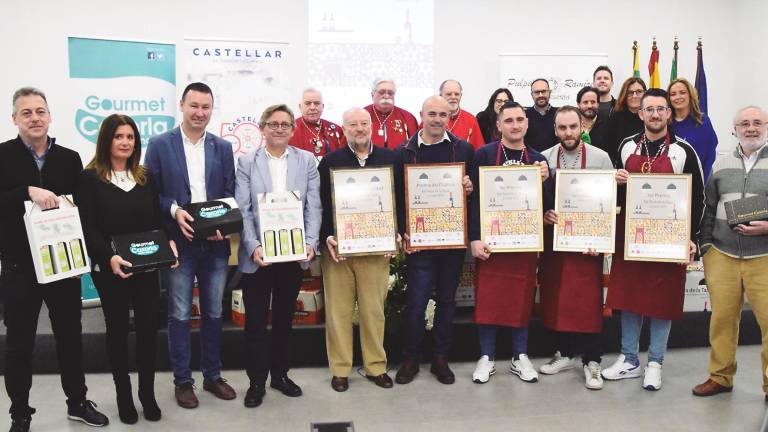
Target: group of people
644 130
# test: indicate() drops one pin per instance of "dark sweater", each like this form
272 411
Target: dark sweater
487 122
18 171
449 151
344 158
486 156
541 129
597 135
107 210
621 124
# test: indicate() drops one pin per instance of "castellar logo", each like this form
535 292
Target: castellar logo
243 132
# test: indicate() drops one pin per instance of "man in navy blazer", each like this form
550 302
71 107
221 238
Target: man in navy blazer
189 165
276 167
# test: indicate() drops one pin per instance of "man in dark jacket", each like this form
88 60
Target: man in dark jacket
34 168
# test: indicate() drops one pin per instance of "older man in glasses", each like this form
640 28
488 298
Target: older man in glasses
276 167
736 256
391 125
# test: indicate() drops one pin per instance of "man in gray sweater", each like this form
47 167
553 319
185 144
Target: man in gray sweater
735 259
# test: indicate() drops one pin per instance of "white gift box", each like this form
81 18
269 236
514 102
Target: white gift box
56 241
281 226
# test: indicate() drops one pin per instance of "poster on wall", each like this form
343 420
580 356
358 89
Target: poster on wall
246 77
117 76
566 73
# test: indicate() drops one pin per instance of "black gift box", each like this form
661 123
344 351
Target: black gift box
745 210
209 216
146 251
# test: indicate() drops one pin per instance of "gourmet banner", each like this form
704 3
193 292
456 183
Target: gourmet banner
245 77
114 76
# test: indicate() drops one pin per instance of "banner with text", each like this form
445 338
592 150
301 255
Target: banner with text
245 77
566 73
113 76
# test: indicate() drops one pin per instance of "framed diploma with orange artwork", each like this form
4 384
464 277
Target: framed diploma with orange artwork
436 207
511 216
658 218
585 203
364 219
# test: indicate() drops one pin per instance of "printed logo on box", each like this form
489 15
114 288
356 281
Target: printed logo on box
145 248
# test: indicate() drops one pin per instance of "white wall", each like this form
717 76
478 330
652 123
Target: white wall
468 38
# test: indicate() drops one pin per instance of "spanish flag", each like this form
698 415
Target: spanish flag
636 62
653 68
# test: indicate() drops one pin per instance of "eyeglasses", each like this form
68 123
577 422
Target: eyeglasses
501 101
539 92
746 124
385 92
657 110
635 92
276 125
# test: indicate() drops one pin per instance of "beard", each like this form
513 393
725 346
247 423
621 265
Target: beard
751 145
360 144
589 114
570 143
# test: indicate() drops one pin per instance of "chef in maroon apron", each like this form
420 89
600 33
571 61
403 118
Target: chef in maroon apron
572 282
650 289
505 283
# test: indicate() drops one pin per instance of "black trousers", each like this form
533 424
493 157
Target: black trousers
590 345
270 354
140 292
23 298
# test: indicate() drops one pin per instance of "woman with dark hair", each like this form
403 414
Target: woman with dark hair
625 121
690 124
487 117
117 196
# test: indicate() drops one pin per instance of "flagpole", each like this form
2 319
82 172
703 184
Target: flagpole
673 72
635 61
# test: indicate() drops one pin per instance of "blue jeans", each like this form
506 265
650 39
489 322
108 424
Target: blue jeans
427 270
196 259
487 334
631 324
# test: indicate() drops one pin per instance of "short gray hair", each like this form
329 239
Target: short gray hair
27 91
442 85
738 113
378 81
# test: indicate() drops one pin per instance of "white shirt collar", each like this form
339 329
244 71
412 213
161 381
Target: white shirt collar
186 140
420 140
282 156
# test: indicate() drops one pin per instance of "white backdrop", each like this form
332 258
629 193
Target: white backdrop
567 74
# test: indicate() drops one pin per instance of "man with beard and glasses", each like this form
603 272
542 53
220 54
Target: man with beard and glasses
735 259
602 80
461 123
364 279
643 289
593 125
391 125
313 133
541 117
572 282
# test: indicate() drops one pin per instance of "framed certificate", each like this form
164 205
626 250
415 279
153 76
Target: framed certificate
585 202
511 216
435 211
658 217
364 220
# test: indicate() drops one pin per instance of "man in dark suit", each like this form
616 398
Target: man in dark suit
189 165
276 167
34 168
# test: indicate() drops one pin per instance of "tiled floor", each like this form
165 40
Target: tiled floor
555 403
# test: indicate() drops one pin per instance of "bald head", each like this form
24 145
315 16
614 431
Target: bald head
356 123
435 112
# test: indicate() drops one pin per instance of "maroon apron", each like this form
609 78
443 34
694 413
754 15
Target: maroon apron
571 289
652 289
571 285
505 284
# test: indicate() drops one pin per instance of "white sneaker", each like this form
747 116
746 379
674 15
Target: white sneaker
483 371
620 370
557 364
652 378
523 368
593 380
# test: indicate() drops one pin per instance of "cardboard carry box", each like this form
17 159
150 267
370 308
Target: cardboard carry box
56 241
310 307
146 251
221 214
238 308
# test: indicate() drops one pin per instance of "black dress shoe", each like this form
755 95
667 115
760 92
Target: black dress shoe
340 384
407 371
441 370
85 411
383 380
20 425
286 386
254 396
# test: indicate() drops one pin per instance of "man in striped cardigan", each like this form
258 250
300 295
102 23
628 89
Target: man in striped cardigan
735 259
